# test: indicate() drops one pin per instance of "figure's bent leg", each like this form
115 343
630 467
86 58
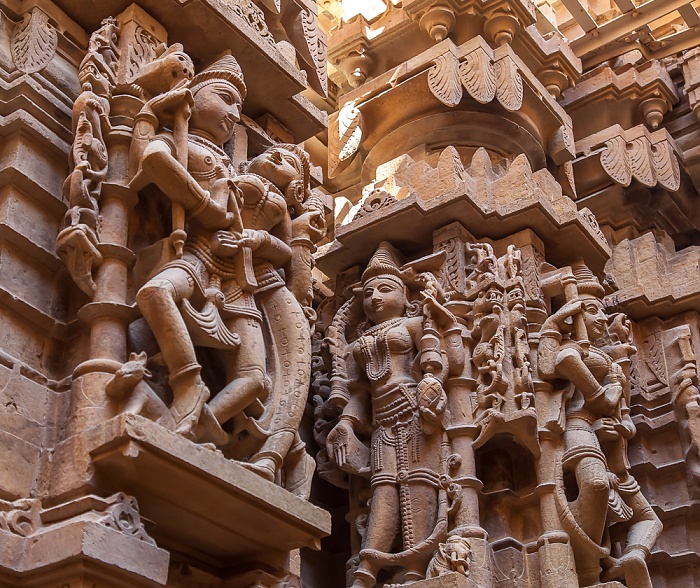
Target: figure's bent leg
158 302
245 373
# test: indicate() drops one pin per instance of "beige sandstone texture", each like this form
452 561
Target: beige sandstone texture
327 294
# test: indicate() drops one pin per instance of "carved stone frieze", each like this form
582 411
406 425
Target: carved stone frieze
650 158
502 382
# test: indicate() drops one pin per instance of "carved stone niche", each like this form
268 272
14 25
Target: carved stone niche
472 316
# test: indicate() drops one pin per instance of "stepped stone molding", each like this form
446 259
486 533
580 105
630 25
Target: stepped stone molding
487 75
652 278
515 197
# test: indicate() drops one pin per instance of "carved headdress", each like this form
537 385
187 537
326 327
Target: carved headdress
385 262
303 158
586 282
225 68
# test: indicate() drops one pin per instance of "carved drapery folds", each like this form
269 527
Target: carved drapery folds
222 279
514 369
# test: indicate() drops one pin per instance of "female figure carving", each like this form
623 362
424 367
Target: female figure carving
393 389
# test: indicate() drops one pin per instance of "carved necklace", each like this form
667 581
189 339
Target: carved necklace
375 349
260 203
211 146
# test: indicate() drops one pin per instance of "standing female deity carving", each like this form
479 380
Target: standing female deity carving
388 382
596 489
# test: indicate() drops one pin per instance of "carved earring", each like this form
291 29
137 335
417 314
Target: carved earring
294 195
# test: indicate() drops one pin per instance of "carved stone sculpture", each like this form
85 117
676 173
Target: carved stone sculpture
596 488
390 387
220 286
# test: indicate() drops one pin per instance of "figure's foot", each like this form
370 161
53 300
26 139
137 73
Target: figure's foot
208 429
264 467
187 408
634 568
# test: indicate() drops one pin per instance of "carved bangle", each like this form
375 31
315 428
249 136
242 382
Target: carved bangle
552 334
201 205
598 393
302 241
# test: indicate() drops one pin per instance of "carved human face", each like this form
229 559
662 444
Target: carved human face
217 108
277 165
384 298
593 317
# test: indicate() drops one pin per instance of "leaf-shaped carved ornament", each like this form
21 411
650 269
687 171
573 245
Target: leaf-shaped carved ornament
641 161
443 80
615 161
654 358
34 42
666 166
345 131
310 44
478 76
509 84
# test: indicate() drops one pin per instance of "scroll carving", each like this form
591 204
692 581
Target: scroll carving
345 133
21 517
34 42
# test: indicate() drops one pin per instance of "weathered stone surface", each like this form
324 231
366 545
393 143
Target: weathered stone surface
508 178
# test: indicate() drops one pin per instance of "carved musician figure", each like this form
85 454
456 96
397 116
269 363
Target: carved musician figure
597 489
223 287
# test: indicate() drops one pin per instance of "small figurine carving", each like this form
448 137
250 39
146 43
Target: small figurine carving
596 488
77 243
392 388
128 386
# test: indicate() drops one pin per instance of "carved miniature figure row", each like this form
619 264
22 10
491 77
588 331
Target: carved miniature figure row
459 386
224 283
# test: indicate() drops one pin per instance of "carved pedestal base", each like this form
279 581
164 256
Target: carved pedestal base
104 546
451 580
200 501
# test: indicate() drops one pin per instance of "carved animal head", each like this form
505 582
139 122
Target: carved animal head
128 376
457 552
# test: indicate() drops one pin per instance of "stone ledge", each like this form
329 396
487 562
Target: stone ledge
47 555
217 507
